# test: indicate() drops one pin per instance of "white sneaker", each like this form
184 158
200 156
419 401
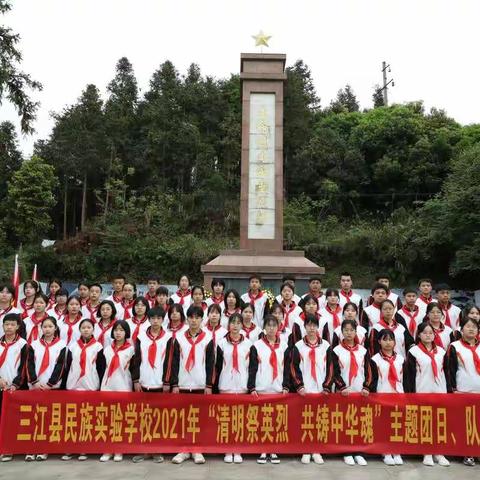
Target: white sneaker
262 459
105 457
349 460
7 458
67 457
318 459
29 457
428 461
82 457
237 458
198 458
306 458
157 458
118 457
442 461
228 458
274 458
180 458
361 460
41 457
398 459
388 460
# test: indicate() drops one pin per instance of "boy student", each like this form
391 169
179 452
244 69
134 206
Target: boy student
291 280
393 297
7 292
118 281
89 310
153 282
425 297
162 300
371 314
453 315
59 310
189 366
315 290
256 297
410 311
347 295
218 289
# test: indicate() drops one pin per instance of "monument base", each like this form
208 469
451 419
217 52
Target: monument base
235 266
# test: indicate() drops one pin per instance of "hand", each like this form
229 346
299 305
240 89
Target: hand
3 384
44 386
302 392
365 392
37 386
345 392
285 391
254 393
175 390
166 389
137 387
208 391
325 392
12 388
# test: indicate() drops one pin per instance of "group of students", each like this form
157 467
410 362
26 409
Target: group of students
227 343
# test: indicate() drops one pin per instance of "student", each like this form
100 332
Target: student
451 312
152 363
54 286
403 339
90 309
267 359
30 289
33 322
350 312
13 358
393 297
183 296
218 287
311 368
249 329
425 373
106 318
315 291
153 282
309 306
198 300
139 321
213 324
176 322
291 281
69 329
232 304
189 366
371 314
129 293
472 312
257 297
83 291
443 334
291 310
388 375
7 293
118 281
120 372
46 364
59 310
331 315
463 364
283 331
162 301
353 372
347 295
425 297
410 313
85 366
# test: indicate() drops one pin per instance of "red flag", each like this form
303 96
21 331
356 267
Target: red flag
35 273
16 281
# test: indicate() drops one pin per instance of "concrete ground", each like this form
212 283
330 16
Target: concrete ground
216 469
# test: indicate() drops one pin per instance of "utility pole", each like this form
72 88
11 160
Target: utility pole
385 82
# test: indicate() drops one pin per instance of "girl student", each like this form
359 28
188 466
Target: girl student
53 287
89 310
291 310
266 373
85 365
129 294
232 304
30 289
7 293
388 373
425 373
350 312
59 309
463 364
83 291
388 320
231 366
218 288
183 296
472 312
284 332
331 314
250 330
139 321
176 320
46 364
213 324
444 335
33 322
309 306
198 300
69 329
311 369
353 371
120 368
106 318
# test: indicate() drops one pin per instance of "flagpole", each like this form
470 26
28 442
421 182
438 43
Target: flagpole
16 280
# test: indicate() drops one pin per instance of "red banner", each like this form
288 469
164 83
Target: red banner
98 422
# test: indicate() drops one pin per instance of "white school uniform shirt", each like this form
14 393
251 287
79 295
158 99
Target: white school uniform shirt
9 368
116 301
24 310
327 319
177 331
291 314
210 300
259 304
468 379
452 316
264 381
55 349
422 304
90 380
103 334
195 379
284 334
443 337
320 365
352 298
2 316
373 314
230 380
424 378
295 298
120 379
383 366
52 312
90 312
344 361
253 333
152 376
361 334
187 300
415 317
399 332
33 328
217 334
321 300
136 328
225 316
70 333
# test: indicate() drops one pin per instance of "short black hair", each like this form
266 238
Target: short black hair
255 276
382 275
118 276
425 280
311 279
61 292
8 286
96 285
288 278
153 277
442 286
287 284
348 274
217 281
156 312
379 286
409 290
194 311
12 317
311 319
162 291
270 318
112 306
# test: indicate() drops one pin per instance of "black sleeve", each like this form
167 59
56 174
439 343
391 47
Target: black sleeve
374 385
451 368
401 321
373 345
410 374
252 369
296 333
287 380
399 303
370 373
59 369
408 339
31 370
66 373
326 333
135 362
337 374
19 380
295 371
172 364
335 340
360 308
364 321
218 367
210 364
101 365
330 376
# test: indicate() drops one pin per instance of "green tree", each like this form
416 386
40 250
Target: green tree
10 156
346 101
377 97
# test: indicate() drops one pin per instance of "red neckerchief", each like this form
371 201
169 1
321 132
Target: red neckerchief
173 329
311 355
303 315
116 298
83 354
214 331
115 363
315 296
228 314
392 371
25 308
165 307
286 313
92 311
6 345
83 301
353 360
253 297
334 314
70 326
446 313
426 300
235 365
127 308
436 332
473 349
249 330
218 300
193 343
59 313
273 356
138 324
151 300
46 355
412 324
4 312
34 332
389 326
431 354
203 306
183 295
104 330
347 296
152 349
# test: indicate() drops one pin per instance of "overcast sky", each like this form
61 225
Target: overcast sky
432 45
